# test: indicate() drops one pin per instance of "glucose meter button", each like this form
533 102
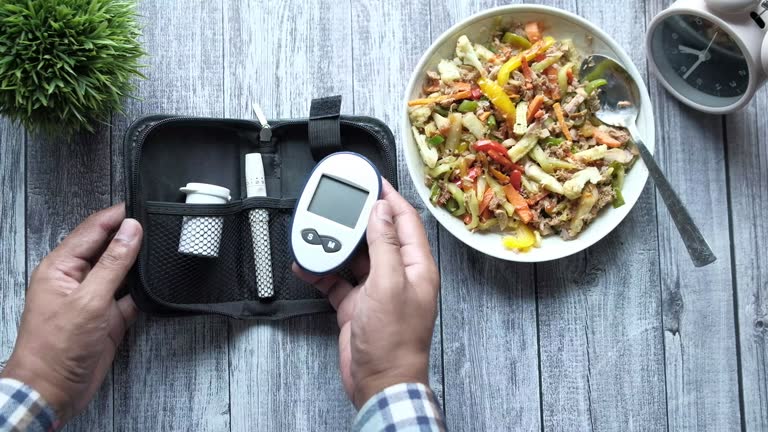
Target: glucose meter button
330 244
311 236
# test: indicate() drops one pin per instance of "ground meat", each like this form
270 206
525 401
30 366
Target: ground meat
621 135
577 100
562 175
445 195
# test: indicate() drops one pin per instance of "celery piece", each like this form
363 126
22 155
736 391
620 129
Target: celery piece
516 40
547 62
467 106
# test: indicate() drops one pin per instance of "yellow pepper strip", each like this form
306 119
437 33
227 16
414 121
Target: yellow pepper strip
515 62
519 239
496 95
561 119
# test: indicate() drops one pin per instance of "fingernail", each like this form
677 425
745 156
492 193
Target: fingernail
129 231
383 211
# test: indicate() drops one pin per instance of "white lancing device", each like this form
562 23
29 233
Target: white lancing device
256 186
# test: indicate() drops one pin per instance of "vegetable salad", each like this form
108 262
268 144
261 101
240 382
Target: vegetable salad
509 138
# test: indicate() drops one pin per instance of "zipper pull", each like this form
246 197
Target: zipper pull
265 135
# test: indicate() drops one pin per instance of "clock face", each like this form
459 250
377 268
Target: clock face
700 60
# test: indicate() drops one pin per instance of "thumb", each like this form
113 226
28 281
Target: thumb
109 272
384 246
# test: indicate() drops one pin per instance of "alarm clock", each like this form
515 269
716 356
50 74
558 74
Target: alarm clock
712 55
331 215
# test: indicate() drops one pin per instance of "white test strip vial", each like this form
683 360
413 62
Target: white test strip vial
201 235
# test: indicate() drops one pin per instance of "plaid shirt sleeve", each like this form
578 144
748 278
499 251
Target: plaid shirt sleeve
401 408
22 409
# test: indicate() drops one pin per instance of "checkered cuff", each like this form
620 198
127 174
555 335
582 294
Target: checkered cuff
401 408
22 409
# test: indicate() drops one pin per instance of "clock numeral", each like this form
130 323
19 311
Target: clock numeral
718 86
699 81
733 84
675 36
683 69
699 21
743 73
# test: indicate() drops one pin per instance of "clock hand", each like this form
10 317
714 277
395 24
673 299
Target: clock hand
702 57
693 68
687 50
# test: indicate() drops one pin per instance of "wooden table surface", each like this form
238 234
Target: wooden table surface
625 336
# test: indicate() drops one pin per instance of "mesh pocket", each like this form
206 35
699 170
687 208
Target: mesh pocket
209 257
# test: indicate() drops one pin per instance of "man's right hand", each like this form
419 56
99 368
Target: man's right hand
387 321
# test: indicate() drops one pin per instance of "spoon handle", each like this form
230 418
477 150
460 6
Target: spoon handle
697 246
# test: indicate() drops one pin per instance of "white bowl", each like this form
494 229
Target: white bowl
561 25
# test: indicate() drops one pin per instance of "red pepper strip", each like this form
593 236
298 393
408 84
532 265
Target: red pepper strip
487 197
487 145
569 73
486 215
476 93
517 200
474 173
502 160
516 179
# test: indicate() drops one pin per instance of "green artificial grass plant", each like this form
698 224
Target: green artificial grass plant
65 64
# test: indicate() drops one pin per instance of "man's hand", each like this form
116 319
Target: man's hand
72 325
387 321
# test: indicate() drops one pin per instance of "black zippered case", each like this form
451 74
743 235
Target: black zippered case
163 153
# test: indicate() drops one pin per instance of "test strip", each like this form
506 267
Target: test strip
259 220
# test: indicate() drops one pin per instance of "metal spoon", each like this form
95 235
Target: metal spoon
619 106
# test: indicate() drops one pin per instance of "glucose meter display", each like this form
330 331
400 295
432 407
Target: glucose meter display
338 201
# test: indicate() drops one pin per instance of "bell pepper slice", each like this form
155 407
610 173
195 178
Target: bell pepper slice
517 200
486 145
497 96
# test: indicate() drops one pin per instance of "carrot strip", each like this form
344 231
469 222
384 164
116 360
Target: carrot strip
537 198
551 74
533 32
603 138
527 72
534 107
517 200
442 98
561 121
462 86
487 197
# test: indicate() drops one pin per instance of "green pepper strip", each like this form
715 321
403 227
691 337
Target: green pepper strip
594 85
458 195
434 193
617 184
547 62
516 40
552 141
442 111
468 106
492 122
562 78
436 140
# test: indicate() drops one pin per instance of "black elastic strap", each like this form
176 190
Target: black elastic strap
324 128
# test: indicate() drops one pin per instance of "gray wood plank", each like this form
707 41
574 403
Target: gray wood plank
380 82
284 375
698 315
748 180
13 272
67 180
171 374
489 317
602 357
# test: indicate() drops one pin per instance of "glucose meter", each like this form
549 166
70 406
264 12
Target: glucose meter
332 212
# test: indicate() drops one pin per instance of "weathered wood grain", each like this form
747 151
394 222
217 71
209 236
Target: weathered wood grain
602 356
380 81
697 304
13 273
284 375
747 157
67 180
171 374
489 317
